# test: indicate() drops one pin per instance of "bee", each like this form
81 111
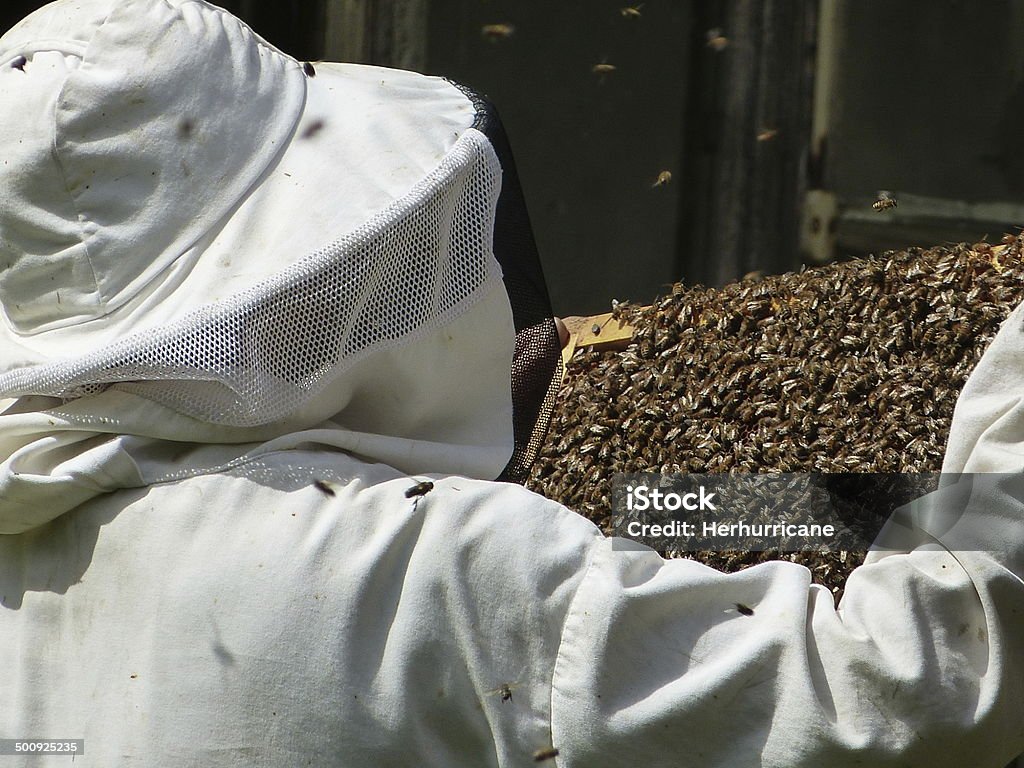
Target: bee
323 487
767 134
631 11
185 128
716 40
884 202
746 610
309 69
311 130
505 689
495 32
663 178
420 489
542 755
602 68
19 63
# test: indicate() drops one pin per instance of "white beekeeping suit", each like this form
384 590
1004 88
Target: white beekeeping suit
261 365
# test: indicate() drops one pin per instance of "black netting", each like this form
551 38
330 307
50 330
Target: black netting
536 365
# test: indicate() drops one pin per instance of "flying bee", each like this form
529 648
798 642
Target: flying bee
420 489
884 202
311 130
663 178
542 755
494 32
602 68
505 689
716 40
324 487
767 134
631 11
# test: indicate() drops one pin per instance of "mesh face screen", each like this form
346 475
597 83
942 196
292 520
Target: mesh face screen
260 355
255 358
536 367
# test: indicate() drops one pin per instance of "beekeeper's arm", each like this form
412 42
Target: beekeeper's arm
920 665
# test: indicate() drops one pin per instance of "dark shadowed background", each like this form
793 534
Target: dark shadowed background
779 122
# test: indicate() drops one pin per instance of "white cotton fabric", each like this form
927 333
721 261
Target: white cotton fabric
297 605
184 586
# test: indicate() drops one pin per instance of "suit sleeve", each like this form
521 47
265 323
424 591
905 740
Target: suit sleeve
921 664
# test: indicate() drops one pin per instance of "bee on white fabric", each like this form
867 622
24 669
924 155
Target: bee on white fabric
420 489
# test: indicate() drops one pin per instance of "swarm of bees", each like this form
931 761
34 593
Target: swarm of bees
851 367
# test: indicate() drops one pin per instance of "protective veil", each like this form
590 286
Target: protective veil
269 332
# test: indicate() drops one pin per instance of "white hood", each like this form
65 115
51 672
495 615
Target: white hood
218 246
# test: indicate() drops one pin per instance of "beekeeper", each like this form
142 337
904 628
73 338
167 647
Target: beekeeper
262 365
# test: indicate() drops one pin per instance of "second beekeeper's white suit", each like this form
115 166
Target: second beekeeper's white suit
257 354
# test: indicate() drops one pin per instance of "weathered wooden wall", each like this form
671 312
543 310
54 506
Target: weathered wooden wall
746 137
777 139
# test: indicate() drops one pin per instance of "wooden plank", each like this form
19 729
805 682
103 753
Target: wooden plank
595 332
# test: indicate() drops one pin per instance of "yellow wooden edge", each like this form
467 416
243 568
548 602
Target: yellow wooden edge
596 332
